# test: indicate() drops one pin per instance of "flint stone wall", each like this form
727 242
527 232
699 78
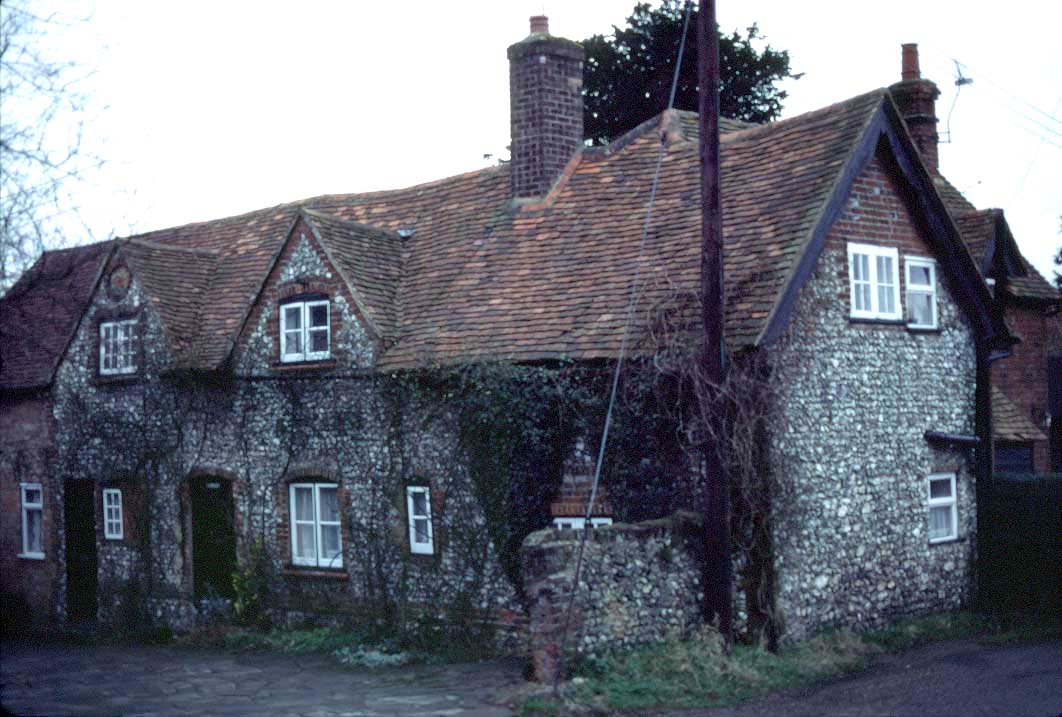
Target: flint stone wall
639 583
855 400
257 431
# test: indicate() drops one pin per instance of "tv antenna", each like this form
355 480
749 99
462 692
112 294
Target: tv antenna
960 82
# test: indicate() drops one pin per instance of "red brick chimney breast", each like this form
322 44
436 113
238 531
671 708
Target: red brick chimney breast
916 99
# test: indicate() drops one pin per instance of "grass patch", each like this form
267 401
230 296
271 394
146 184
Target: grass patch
373 646
700 673
912 632
993 628
347 647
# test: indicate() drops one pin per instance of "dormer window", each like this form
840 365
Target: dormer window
118 347
305 333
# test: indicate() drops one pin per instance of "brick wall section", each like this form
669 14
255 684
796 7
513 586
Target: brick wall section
855 401
876 215
639 583
1022 376
27 456
576 486
546 110
916 99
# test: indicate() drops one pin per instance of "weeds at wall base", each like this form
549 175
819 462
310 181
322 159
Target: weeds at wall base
698 672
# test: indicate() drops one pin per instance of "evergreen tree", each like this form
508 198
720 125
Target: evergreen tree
627 76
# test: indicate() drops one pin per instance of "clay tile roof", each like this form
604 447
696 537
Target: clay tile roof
247 245
977 229
1009 423
1033 285
552 279
39 314
483 279
953 198
370 259
177 280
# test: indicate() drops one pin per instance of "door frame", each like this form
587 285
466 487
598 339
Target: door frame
195 487
80 548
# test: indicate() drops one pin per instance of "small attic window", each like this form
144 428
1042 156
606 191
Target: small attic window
874 281
921 293
118 347
305 329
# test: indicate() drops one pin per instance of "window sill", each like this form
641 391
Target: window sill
422 557
882 322
117 378
923 329
298 571
316 365
31 556
944 541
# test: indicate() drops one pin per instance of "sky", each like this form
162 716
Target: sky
207 109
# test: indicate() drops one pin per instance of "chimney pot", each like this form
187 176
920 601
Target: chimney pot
909 69
539 23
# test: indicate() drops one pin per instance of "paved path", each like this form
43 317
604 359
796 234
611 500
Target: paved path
960 678
56 679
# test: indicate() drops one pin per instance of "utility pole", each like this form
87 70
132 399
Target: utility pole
718 600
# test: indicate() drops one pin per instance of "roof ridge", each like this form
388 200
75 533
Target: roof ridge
691 114
166 246
319 215
635 133
144 236
311 201
758 131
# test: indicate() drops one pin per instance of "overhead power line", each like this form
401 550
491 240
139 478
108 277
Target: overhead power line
619 361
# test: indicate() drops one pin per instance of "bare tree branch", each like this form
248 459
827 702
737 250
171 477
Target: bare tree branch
42 108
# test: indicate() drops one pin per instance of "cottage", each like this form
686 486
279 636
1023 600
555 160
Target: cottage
279 394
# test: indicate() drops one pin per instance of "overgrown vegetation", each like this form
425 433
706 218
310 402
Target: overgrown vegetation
368 647
701 673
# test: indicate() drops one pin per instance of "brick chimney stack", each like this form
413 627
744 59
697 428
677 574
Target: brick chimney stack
545 108
917 98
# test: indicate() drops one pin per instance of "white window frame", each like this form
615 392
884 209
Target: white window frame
950 502
304 330
25 508
578 523
874 281
318 560
121 345
113 518
416 547
922 289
